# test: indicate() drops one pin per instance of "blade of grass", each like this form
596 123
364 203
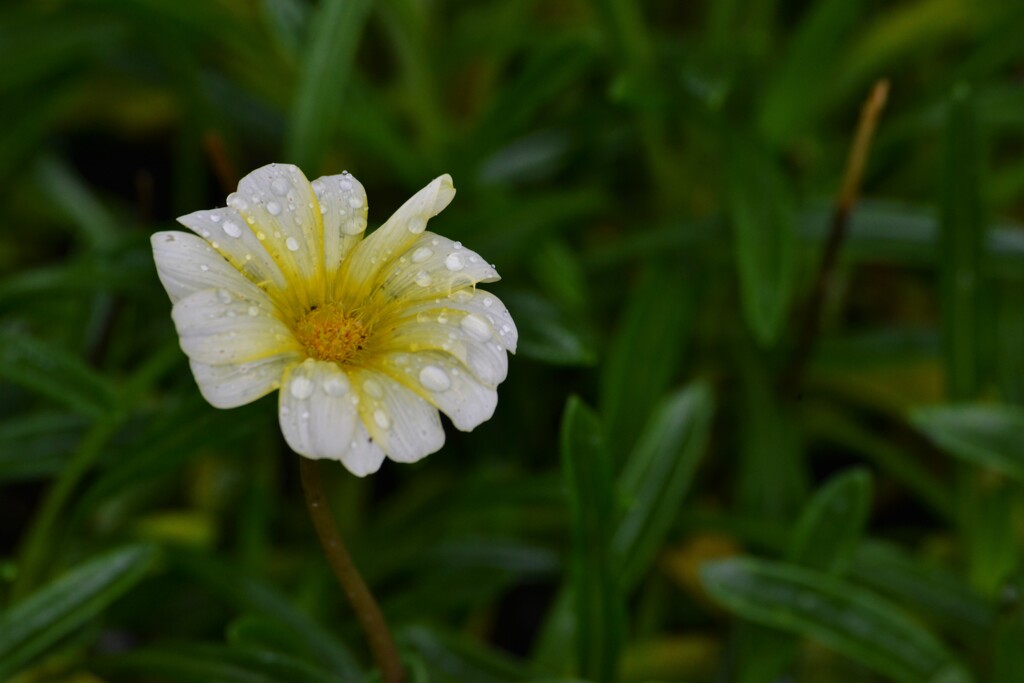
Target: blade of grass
598 603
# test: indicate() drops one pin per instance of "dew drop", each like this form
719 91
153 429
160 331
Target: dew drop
302 387
454 262
336 385
215 217
382 419
231 229
236 201
292 244
488 301
423 278
273 208
224 296
475 327
253 311
434 378
355 203
279 186
417 225
457 245
203 267
422 254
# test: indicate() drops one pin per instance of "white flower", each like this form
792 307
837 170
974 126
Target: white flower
366 338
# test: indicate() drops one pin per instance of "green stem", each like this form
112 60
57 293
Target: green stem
359 596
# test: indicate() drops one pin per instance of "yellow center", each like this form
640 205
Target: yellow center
329 333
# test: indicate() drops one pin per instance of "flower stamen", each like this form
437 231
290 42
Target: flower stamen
329 333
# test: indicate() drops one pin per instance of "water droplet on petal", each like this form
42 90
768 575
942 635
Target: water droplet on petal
434 378
224 296
273 208
355 203
301 387
454 262
422 254
417 225
382 419
231 229
215 217
279 186
292 244
236 201
203 267
475 327
488 301
253 311
336 385
423 278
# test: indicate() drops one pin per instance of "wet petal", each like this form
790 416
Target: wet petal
230 386
318 415
445 383
343 210
402 423
487 317
358 274
220 327
187 264
278 200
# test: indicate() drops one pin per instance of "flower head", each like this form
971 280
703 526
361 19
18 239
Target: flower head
367 339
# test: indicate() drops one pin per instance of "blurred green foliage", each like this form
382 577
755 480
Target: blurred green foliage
654 181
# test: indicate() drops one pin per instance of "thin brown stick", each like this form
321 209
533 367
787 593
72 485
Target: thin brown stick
848 193
225 171
382 646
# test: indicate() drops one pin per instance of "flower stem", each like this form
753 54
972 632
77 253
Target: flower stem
359 596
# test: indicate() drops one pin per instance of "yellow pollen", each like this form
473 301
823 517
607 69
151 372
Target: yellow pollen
328 333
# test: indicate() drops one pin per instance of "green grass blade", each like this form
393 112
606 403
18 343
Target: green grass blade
986 435
962 240
657 476
764 238
336 29
32 626
832 524
840 615
213 663
599 609
644 354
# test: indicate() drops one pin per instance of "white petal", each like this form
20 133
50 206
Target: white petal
490 318
317 410
220 327
230 386
453 331
445 382
278 201
343 210
240 244
432 267
402 423
393 238
186 264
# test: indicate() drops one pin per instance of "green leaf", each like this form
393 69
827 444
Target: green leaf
546 333
831 526
657 476
46 369
838 614
933 590
962 239
336 29
653 328
599 608
36 444
249 593
453 659
764 238
796 93
213 663
32 626
990 436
